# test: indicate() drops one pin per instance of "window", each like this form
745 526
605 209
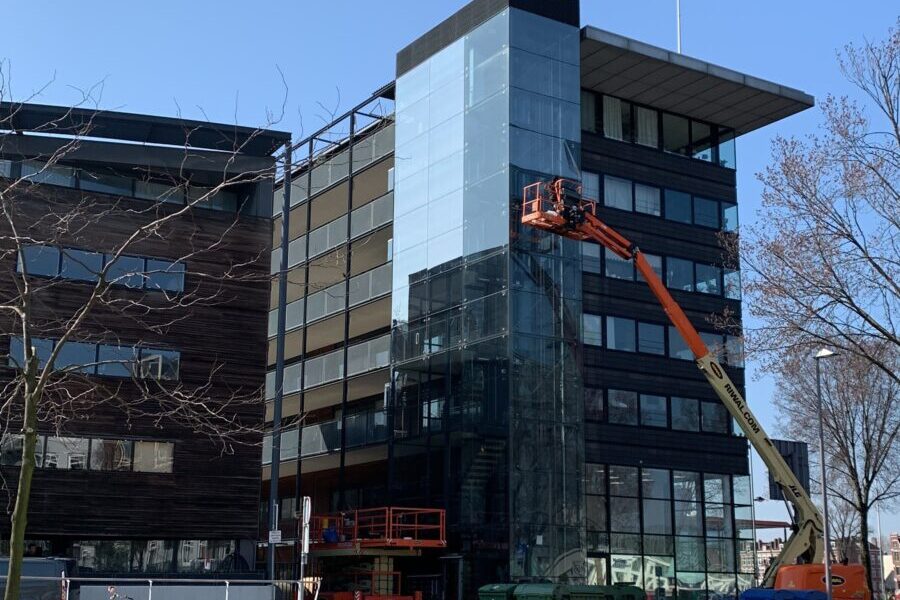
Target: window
116 361
594 479
111 455
165 275
42 349
620 334
714 417
591 329
708 279
653 411
39 260
726 148
590 185
153 457
81 265
651 338
105 183
658 517
685 414
127 271
680 274
11 450
655 264
676 134
625 514
617 267
678 206
706 212
732 284
66 453
78 356
677 346
702 141
594 407
734 351
646 126
729 216
688 518
590 257
655 483
616 119
646 199
617 193
159 364
623 407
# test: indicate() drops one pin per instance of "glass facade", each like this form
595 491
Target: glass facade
484 340
670 532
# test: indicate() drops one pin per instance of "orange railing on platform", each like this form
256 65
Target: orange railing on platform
380 527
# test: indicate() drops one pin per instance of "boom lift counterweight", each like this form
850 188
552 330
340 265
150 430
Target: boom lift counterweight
558 207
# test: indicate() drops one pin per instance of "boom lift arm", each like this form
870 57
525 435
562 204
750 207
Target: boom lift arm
557 207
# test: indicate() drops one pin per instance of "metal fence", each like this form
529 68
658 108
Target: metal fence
104 588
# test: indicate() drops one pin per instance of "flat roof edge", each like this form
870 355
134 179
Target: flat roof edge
695 64
132 127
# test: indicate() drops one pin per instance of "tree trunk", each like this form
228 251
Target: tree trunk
23 494
866 556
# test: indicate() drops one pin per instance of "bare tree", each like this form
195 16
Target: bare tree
117 304
822 265
861 420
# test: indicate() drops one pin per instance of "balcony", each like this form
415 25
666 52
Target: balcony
363 429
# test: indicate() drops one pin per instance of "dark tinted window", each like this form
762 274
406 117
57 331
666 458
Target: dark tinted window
653 411
678 206
81 265
651 338
714 417
685 414
680 274
706 212
702 141
676 134
620 334
622 407
165 275
82 355
127 271
40 260
708 279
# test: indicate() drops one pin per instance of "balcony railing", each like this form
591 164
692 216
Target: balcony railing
379 528
363 429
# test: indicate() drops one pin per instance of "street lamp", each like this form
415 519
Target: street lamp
823 353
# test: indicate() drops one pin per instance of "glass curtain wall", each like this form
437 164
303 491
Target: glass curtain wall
546 400
485 341
450 291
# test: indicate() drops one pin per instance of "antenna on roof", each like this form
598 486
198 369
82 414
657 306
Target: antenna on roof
678 22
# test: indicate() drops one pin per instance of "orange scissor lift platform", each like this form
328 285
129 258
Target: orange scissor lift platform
378 528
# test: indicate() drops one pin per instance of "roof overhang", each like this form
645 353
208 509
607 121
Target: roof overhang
645 74
143 129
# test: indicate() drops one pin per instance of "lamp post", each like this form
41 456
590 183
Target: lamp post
823 353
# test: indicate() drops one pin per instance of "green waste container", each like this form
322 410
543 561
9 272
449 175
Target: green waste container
540 591
589 592
496 591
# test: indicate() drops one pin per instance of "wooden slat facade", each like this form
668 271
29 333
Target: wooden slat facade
210 494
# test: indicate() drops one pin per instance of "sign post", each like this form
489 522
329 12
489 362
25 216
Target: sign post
305 516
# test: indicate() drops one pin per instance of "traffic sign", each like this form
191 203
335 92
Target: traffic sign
275 536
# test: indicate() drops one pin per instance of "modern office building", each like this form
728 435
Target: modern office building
440 355
121 486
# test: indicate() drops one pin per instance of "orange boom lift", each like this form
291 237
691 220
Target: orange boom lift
558 207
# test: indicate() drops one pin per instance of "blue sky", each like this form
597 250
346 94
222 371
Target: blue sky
219 60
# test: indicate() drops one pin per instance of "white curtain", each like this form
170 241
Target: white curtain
612 118
647 127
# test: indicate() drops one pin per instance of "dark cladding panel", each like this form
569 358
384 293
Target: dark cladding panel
796 455
474 14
